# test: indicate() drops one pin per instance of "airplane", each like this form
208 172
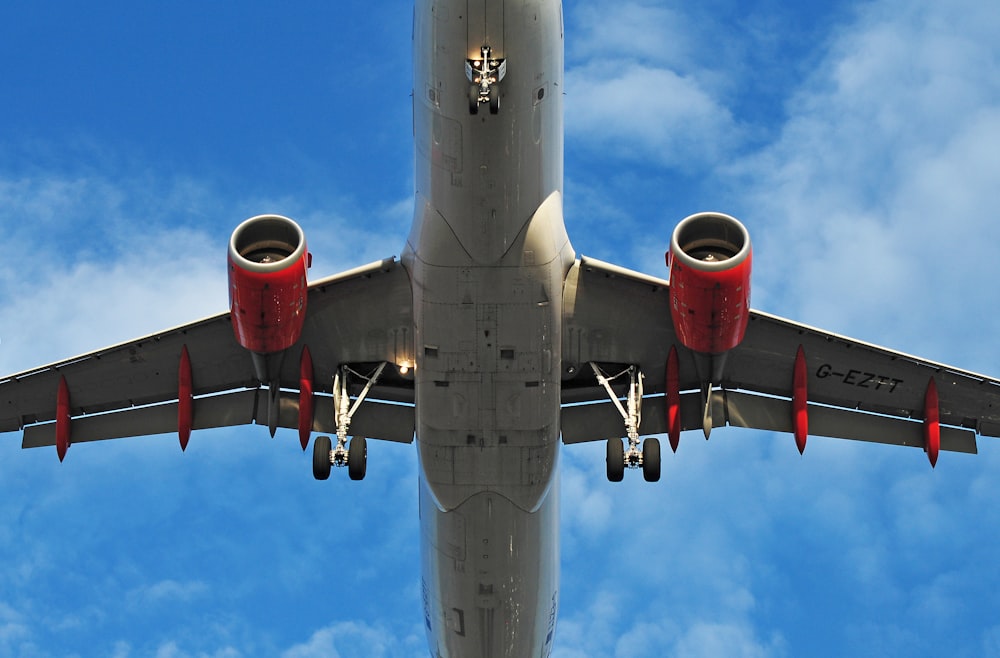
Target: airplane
490 343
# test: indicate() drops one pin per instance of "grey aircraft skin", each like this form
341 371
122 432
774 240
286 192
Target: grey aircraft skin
487 256
490 344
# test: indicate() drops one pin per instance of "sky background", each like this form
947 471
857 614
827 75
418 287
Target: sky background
859 142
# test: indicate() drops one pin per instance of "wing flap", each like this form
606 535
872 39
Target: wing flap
237 408
374 419
599 421
852 374
760 412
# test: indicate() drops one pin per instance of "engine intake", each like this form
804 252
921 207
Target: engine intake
709 260
267 283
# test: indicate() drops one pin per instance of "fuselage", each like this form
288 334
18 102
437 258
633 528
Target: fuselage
487 256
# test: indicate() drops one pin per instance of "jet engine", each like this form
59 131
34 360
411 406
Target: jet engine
267 283
709 262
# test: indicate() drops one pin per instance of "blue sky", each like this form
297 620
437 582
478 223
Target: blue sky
857 141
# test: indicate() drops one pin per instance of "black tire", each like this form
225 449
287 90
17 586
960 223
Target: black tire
321 457
651 460
474 99
494 100
357 458
616 460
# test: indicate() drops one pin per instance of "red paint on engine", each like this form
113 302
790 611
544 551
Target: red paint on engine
267 294
710 261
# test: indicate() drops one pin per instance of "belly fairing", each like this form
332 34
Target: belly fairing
490 577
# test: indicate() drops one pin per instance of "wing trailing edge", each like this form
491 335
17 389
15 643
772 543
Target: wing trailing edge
599 421
378 420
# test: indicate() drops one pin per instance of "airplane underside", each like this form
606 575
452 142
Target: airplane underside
487 257
491 344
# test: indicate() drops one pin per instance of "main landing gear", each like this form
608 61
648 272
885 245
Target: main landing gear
352 454
618 458
485 75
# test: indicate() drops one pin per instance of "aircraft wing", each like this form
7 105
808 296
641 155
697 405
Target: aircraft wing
855 390
358 317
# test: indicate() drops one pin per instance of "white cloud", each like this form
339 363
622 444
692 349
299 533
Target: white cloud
991 642
109 257
644 31
172 650
645 84
78 307
645 113
350 639
712 640
876 200
167 591
14 632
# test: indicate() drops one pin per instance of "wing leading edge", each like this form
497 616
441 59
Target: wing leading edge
136 388
853 390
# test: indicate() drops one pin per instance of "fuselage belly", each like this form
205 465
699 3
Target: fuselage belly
487 257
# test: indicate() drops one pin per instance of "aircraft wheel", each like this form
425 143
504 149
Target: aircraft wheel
494 100
616 460
321 457
651 460
357 458
474 99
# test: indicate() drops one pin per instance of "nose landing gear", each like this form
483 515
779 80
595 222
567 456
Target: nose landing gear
485 74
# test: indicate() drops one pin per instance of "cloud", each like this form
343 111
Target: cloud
643 31
706 640
172 650
663 563
644 113
110 256
991 642
877 192
14 631
353 639
638 88
168 591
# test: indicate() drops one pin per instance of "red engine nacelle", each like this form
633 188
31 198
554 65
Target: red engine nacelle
709 262
267 283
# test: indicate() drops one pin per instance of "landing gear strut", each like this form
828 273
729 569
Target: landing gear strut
618 458
353 455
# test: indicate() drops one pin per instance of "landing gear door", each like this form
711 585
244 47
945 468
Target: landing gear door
486 27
